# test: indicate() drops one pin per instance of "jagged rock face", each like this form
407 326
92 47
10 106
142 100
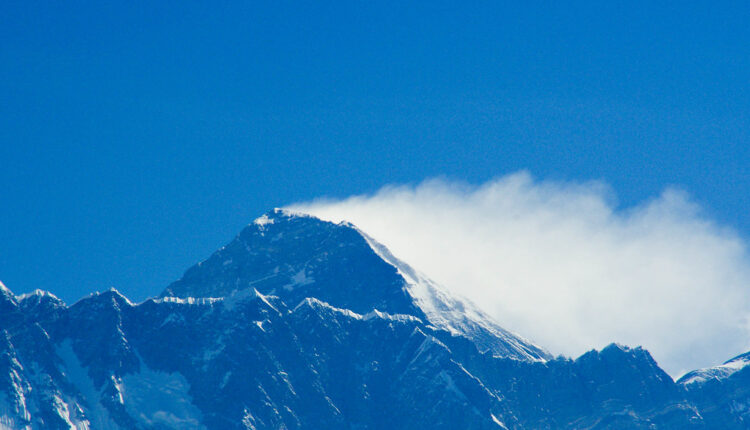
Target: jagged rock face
302 324
248 362
295 257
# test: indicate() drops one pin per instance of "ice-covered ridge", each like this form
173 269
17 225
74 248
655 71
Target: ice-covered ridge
188 300
229 302
722 371
112 291
239 296
36 293
375 314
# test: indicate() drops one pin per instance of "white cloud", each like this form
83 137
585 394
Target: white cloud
560 264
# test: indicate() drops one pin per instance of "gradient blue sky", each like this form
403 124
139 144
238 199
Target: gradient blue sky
138 137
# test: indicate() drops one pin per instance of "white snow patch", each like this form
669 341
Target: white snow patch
78 375
160 399
497 421
7 421
38 293
248 420
718 372
5 289
154 399
374 314
263 220
299 279
189 300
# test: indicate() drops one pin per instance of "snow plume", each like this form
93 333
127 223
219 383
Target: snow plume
560 264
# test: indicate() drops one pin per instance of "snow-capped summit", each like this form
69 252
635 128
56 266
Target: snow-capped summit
293 257
717 373
296 256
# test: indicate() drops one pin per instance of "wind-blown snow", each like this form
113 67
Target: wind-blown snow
455 315
263 220
562 264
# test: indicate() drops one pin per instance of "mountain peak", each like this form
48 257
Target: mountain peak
6 295
302 323
279 214
296 256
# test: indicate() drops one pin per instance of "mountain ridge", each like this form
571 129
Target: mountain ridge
321 353
404 290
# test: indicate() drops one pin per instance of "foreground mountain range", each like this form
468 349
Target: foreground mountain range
301 323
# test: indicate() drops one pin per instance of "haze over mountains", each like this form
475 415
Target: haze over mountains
303 323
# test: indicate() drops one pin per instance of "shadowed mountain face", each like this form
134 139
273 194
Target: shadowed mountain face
295 257
304 324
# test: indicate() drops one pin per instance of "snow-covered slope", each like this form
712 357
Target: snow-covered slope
717 373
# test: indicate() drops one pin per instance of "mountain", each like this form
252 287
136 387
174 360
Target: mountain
295 256
299 323
722 392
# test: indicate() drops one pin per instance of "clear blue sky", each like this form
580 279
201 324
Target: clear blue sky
138 137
